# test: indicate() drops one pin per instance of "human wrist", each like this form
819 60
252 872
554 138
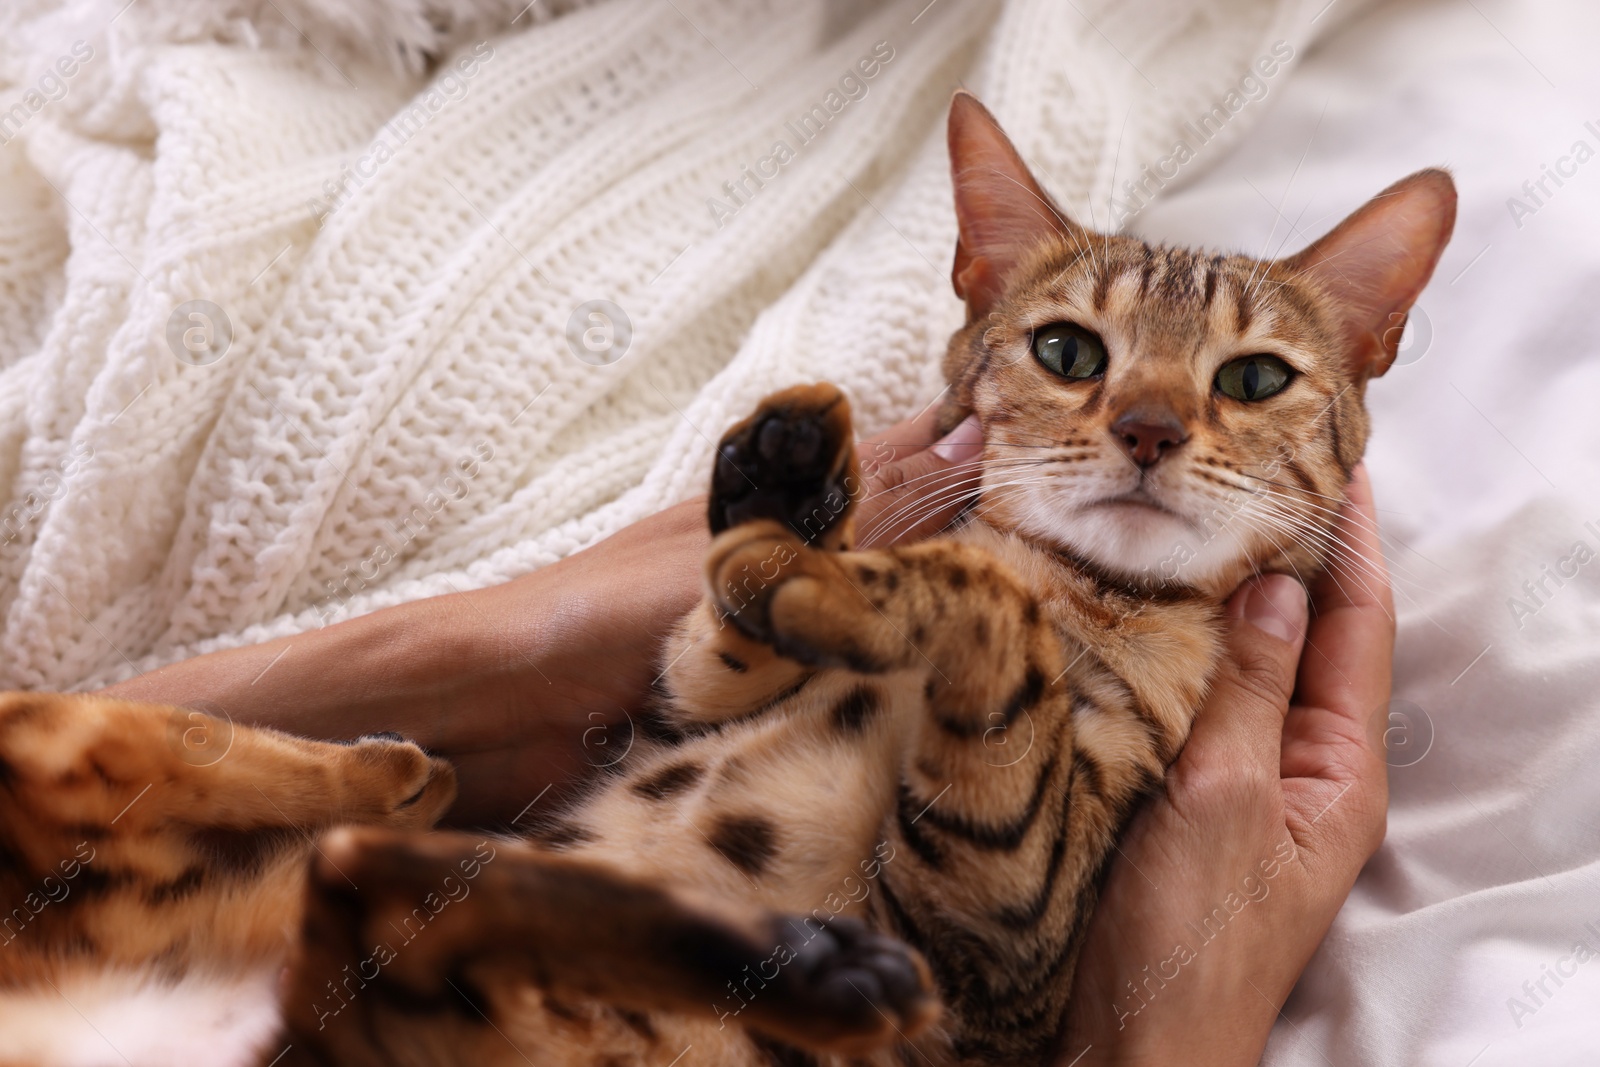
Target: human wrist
374 672
1226 1032
431 668
1210 1003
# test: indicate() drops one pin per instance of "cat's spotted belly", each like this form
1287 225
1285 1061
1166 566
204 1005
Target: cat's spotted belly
786 806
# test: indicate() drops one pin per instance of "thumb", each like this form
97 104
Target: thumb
1254 680
915 495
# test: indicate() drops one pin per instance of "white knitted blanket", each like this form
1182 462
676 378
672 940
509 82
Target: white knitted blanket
394 383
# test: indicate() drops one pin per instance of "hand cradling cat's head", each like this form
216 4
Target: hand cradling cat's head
1162 414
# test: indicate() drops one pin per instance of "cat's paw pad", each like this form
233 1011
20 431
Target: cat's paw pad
876 986
409 788
793 461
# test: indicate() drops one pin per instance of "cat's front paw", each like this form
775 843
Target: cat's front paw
746 567
792 461
803 603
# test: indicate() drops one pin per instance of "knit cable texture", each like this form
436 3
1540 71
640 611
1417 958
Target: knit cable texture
287 335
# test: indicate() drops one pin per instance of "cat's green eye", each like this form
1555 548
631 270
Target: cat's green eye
1253 377
1070 351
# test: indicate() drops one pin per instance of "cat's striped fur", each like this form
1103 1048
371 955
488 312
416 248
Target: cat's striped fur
940 741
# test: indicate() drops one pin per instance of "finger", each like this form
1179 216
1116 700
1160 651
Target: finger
1358 576
1350 644
1332 760
918 492
899 440
1249 696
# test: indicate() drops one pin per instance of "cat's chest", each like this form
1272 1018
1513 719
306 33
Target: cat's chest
1162 650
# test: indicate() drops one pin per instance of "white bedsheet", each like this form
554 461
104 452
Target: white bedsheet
1486 460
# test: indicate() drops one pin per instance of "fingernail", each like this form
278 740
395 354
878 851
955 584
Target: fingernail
962 443
1276 604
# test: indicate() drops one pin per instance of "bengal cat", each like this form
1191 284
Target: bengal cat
885 780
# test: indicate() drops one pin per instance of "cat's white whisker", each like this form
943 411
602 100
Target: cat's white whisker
909 514
1285 504
1399 571
1261 527
1337 558
958 476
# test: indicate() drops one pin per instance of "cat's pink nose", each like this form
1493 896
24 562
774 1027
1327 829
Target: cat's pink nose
1148 435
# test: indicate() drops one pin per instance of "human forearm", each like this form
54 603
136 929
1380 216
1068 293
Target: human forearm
505 681
376 672
528 683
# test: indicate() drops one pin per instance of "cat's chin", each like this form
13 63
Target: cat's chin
1144 543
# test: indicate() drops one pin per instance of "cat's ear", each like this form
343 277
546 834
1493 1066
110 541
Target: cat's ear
1001 209
1374 263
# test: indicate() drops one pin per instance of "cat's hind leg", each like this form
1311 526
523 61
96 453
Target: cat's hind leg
153 832
111 766
438 940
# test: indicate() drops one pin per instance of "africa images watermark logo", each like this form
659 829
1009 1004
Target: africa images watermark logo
1137 193
52 486
1252 888
199 333
1539 591
53 888
404 529
48 89
852 892
1537 192
449 87
1537 991
802 130
599 332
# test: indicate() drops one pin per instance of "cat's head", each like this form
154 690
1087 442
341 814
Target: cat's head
1162 414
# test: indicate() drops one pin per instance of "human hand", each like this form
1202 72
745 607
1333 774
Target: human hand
1225 885
536 681
579 642
588 664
